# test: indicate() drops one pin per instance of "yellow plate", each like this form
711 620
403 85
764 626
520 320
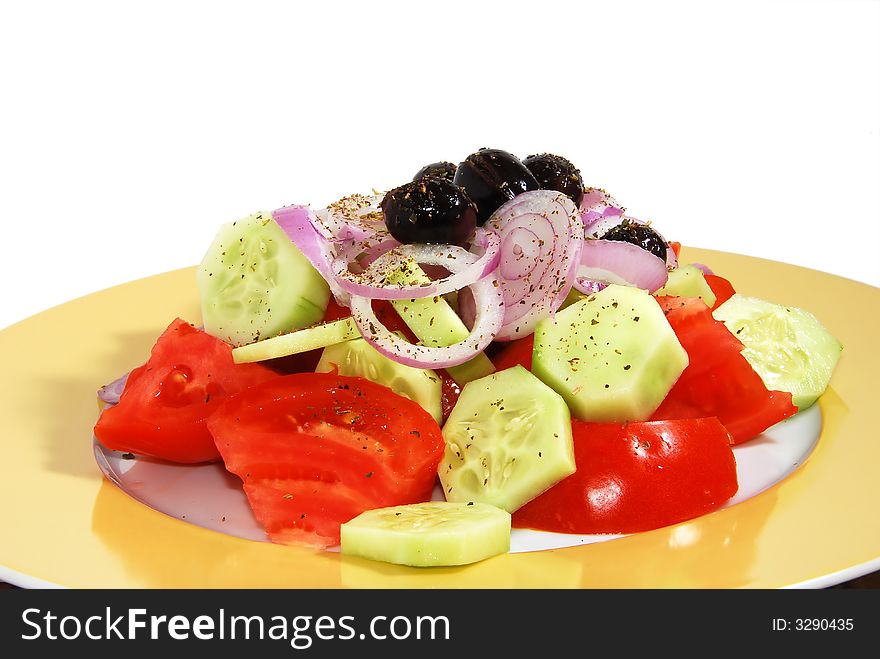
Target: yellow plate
63 523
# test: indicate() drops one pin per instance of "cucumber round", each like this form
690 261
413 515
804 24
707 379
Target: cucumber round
688 281
359 358
788 347
435 533
508 439
612 355
254 283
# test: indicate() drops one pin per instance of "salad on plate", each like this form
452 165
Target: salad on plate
490 345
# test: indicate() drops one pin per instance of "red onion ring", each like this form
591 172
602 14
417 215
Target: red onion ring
489 316
373 283
541 236
602 225
597 204
355 217
618 262
599 226
297 223
705 269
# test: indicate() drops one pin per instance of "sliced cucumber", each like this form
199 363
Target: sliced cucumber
612 356
254 283
435 324
508 439
359 358
310 338
688 281
428 534
574 295
788 347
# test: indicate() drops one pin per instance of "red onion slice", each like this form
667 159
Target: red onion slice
597 204
355 217
297 223
599 226
110 393
541 236
618 262
466 269
589 286
705 269
489 316
360 253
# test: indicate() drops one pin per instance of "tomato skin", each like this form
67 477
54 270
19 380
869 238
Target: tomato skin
639 476
718 380
316 449
722 288
518 352
163 408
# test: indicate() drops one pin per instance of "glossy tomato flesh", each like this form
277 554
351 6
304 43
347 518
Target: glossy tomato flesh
165 403
718 380
722 288
518 352
315 450
634 477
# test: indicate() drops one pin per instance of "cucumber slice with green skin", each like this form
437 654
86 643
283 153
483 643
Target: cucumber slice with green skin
430 534
435 324
254 283
508 439
311 338
359 358
788 347
612 356
688 281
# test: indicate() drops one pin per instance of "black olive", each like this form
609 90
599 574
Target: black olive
491 177
430 210
638 234
444 170
557 173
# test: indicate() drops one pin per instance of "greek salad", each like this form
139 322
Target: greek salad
497 329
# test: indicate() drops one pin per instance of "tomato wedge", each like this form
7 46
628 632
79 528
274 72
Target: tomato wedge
315 450
718 381
165 403
722 288
515 353
634 477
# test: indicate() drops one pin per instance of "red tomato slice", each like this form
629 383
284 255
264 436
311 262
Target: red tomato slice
635 477
165 403
449 393
515 353
315 450
722 288
718 380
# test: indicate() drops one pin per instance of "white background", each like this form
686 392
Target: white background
128 132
